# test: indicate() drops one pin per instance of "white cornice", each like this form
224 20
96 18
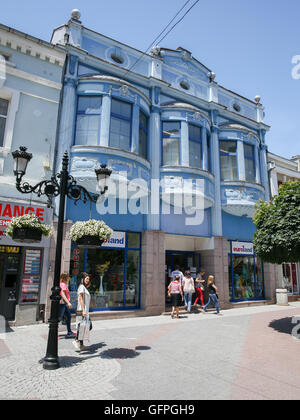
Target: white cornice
29 46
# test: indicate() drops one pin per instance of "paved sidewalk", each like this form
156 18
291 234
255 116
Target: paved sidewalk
248 353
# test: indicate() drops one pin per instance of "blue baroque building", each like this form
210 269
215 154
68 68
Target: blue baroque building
164 126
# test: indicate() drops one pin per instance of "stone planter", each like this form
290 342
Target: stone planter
27 235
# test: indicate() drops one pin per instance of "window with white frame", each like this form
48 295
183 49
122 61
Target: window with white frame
3 117
88 120
120 125
228 158
249 162
195 146
171 143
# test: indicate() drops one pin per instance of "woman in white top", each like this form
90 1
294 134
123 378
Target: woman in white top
83 306
188 289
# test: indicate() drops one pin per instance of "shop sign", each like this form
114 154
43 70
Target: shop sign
117 240
10 249
242 248
10 210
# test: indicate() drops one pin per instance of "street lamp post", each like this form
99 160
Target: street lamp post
63 185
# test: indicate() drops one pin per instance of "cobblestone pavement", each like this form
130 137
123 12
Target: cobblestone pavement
248 353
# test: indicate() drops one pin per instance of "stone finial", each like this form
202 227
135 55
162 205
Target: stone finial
257 99
212 76
76 14
155 51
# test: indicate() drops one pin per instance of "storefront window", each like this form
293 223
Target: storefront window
246 280
132 278
259 278
290 278
115 274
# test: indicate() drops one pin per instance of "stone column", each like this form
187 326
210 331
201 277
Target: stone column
153 273
204 149
241 160
105 120
215 262
135 128
184 144
271 281
153 218
216 209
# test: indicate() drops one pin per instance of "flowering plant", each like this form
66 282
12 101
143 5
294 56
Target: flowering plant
29 221
90 228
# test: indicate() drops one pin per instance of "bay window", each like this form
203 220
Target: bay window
249 162
228 158
143 135
120 125
88 120
195 147
171 143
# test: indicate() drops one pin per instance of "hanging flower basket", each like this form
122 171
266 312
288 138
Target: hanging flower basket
28 229
90 234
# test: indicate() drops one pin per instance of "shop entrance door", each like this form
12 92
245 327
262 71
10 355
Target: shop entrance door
184 260
9 276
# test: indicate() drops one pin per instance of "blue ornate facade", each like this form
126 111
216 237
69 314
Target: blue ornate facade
162 117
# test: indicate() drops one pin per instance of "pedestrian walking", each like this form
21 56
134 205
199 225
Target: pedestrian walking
188 289
175 292
65 304
212 293
83 307
177 272
200 287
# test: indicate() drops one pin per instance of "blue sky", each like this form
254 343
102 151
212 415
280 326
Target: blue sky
248 44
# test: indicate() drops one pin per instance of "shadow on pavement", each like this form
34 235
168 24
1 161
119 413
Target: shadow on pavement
284 325
121 353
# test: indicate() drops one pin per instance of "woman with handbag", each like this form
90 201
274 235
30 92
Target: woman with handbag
188 289
199 285
83 307
175 292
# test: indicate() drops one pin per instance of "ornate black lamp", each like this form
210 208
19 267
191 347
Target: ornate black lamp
62 185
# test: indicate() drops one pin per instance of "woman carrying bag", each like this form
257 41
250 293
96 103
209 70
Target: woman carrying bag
188 288
82 314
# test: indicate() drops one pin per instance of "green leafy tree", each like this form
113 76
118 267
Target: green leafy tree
277 238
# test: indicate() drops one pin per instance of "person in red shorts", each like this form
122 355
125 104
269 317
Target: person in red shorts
200 286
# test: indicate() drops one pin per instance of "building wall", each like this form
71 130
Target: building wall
30 81
179 98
